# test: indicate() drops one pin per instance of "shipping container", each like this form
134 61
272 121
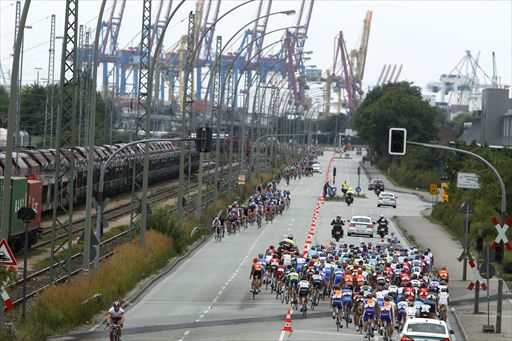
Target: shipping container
18 199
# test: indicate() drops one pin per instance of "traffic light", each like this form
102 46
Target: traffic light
204 140
499 253
397 141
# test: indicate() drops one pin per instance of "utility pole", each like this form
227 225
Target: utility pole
217 116
9 147
139 205
65 139
186 109
48 114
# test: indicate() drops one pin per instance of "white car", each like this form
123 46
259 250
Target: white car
423 329
316 168
360 225
386 199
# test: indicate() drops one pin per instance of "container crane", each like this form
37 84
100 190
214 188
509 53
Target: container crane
345 78
108 48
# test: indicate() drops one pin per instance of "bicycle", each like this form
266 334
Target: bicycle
304 308
337 318
116 329
218 234
369 329
258 220
346 314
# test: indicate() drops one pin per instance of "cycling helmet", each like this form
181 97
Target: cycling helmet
382 215
290 236
254 260
443 282
347 287
338 217
317 272
260 256
116 304
369 295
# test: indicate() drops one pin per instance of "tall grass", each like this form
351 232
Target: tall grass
64 306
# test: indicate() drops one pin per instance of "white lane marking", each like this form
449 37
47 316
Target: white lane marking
201 316
206 311
220 292
198 320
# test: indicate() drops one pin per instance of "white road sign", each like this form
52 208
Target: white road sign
467 180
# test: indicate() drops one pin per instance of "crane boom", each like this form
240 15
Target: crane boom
363 49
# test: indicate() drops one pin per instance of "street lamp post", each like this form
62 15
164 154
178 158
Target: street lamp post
37 77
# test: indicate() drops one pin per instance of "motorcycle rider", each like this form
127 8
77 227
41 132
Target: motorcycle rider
337 224
383 222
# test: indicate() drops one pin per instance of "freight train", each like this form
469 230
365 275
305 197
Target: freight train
33 185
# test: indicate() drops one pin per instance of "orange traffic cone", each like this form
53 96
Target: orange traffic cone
288 323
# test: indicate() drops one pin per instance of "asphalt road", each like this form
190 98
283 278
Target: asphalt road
207 296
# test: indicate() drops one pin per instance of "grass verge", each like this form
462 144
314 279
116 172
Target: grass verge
61 307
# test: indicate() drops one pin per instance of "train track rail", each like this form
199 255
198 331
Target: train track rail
40 280
119 211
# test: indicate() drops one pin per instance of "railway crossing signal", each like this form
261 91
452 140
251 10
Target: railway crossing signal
477 278
502 237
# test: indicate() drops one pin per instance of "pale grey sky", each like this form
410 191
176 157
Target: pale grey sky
427 37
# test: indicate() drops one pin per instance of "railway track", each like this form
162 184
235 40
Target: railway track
39 280
117 212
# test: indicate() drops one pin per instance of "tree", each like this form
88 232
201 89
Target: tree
395 105
4 106
32 109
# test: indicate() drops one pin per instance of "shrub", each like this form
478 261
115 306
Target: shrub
62 307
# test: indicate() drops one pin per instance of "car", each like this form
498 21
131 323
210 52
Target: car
424 329
316 168
387 199
360 225
376 184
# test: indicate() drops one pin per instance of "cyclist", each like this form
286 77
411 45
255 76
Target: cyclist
386 315
443 274
217 226
292 278
442 303
336 301
304 288
369 314
115 316
256 275
347 295
318 284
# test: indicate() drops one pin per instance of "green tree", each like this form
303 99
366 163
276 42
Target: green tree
4 106
395 105
32 108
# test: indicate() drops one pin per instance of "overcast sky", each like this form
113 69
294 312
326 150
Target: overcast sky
427 37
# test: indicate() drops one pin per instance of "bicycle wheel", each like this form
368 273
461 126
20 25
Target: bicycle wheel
337 319
346 316
266 281
304 310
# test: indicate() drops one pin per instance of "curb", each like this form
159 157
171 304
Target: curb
459 324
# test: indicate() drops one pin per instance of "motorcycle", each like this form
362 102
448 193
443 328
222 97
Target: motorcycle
337 232
377 192
349 200
382 230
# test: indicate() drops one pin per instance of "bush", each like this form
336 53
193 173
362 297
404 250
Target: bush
62 307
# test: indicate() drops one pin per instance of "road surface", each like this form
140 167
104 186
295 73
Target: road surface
207 296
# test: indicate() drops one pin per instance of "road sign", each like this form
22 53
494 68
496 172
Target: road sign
433 189
467 180
6 256
444 193
467 207
483 271
358 189
502 237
